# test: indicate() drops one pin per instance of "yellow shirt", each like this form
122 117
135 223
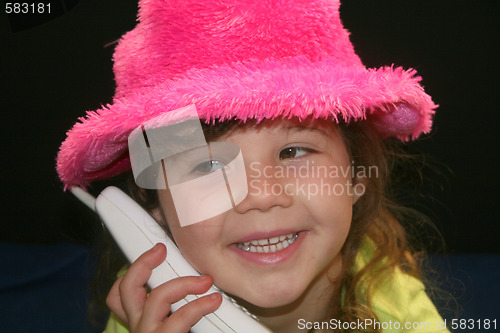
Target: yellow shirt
400 304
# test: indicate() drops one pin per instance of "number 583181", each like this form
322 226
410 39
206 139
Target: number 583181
27 8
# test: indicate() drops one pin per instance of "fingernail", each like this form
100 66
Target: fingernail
214 296
203 277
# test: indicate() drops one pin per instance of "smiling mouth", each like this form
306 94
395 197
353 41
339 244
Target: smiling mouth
268 245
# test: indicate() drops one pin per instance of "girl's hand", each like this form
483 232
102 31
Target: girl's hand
129 299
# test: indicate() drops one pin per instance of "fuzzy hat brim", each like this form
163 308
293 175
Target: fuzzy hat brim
392 98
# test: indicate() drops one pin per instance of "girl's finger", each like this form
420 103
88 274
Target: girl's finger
114 302
183 319
132 289
159 301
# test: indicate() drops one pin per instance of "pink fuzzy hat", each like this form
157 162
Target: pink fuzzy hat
243 60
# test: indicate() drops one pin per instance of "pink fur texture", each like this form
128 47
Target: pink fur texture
259 59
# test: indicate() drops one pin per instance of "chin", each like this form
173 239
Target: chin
272 298
273 302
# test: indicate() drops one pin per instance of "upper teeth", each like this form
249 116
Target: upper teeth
268 245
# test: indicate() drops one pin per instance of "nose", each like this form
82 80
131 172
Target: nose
265 192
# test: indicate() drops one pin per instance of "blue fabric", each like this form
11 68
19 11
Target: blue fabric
44 288
473 281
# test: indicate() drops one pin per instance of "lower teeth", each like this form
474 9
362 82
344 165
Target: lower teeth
271 248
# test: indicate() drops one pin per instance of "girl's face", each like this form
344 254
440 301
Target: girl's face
291 226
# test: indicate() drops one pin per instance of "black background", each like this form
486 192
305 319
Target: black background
55 68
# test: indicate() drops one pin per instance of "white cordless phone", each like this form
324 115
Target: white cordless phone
136 231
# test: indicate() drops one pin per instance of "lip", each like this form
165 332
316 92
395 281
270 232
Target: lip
269 258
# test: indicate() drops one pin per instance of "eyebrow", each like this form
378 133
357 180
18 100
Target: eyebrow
299 128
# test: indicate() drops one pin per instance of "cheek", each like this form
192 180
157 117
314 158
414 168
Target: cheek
335 214
328 194
197 242
331 207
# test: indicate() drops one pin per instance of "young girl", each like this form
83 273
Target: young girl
315 245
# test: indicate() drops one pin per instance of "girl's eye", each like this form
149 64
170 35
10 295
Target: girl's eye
209 166
293 152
